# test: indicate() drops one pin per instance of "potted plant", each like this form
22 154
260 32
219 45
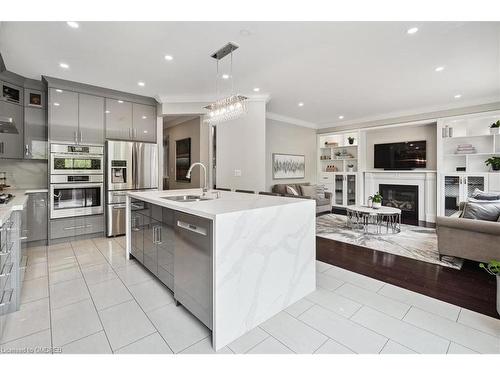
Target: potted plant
376 200
495 128
351 140
493 268
494 162
350 167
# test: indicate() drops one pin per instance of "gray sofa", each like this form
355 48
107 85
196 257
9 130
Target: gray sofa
322 204
477 240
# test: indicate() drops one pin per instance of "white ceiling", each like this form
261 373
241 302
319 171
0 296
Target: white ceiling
356 69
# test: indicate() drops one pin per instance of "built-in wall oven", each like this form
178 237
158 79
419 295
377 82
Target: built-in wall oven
71 159
76 195
76 180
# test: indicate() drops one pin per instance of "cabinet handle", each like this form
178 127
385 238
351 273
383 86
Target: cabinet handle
26 150
159 236
1 147
76 136
191 228
81 137
79 227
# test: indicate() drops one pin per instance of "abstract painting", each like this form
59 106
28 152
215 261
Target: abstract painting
287 166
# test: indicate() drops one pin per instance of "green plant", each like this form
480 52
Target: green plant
493 267
494 161
376 198
495 124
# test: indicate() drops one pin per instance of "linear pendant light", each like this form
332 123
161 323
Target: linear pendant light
231 107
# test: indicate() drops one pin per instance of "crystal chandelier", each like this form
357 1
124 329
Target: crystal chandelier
231 107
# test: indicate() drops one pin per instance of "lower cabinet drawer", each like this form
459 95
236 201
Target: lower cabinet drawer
61 228
166 278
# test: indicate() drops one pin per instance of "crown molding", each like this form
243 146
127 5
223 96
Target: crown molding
290 120
420 114
207 98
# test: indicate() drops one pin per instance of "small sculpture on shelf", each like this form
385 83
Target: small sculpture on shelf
495 128
350 140
350 167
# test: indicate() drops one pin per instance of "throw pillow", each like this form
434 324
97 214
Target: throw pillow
489 211
485 196
320 191
290 190
308 190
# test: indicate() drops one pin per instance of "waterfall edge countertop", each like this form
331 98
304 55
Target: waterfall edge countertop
228 202
15 204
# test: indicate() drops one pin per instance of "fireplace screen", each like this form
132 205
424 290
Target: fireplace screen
404 197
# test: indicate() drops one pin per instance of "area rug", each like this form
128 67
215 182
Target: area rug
412 242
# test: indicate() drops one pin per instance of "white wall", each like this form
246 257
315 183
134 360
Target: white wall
403 134
241 146
286 138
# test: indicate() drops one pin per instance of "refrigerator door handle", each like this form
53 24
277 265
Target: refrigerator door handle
134 161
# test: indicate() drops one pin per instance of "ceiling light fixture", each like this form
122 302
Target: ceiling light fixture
144 117
107 111
120 101
412 30
225 76
341 117
458 96
169 57
301 104
233 106
256 89
140 83
56 104
439 69
73 24
58 90
64 65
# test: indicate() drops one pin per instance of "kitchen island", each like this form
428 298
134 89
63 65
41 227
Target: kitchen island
233 261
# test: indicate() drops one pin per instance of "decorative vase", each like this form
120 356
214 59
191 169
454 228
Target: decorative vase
498 294
494 130
376 204
351 141
350 169
369 203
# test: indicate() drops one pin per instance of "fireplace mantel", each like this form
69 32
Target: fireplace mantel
424 179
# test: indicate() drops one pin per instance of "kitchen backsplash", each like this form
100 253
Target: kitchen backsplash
25 174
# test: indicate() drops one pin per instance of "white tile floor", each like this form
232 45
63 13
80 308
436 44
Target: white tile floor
85 297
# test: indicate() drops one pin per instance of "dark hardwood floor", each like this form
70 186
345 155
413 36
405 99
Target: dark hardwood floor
470 287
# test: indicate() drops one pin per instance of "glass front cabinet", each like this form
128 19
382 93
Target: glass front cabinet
458 188
345 188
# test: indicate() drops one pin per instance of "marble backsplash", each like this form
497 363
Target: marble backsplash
25 174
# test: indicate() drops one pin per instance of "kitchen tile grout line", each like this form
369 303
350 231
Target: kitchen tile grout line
50 306
93 303
156 328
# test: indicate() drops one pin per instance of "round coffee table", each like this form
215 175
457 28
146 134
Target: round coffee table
372 220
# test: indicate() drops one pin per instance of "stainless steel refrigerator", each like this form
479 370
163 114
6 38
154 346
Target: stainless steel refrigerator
130 166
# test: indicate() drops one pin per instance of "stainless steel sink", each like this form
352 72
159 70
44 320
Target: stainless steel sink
187 198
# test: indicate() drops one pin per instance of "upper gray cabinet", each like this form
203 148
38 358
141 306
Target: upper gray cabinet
91 119
130 121
63 116
35 125
11 144
75 118
118 119
144 122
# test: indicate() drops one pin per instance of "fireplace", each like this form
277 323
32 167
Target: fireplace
404 197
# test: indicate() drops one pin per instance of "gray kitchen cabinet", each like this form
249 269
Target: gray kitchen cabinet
165 248
118 119
76 226
35 133
35 124
11 145
63 116
36 220
151 234
144 122
91 119
137 235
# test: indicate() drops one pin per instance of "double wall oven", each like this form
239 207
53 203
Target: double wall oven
76 180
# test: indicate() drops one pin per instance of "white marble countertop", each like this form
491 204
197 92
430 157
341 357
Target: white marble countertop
227 203
34 191
16 204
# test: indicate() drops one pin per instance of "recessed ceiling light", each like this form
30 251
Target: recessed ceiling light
225 76
458 96
56 104
145 132
140 83
144 117
341 117
256 89
64 65
73 24
245 32
120 101
439 69
169 57
107 111
412 30
301 104
58 90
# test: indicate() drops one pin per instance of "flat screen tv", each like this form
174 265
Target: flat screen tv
401 155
